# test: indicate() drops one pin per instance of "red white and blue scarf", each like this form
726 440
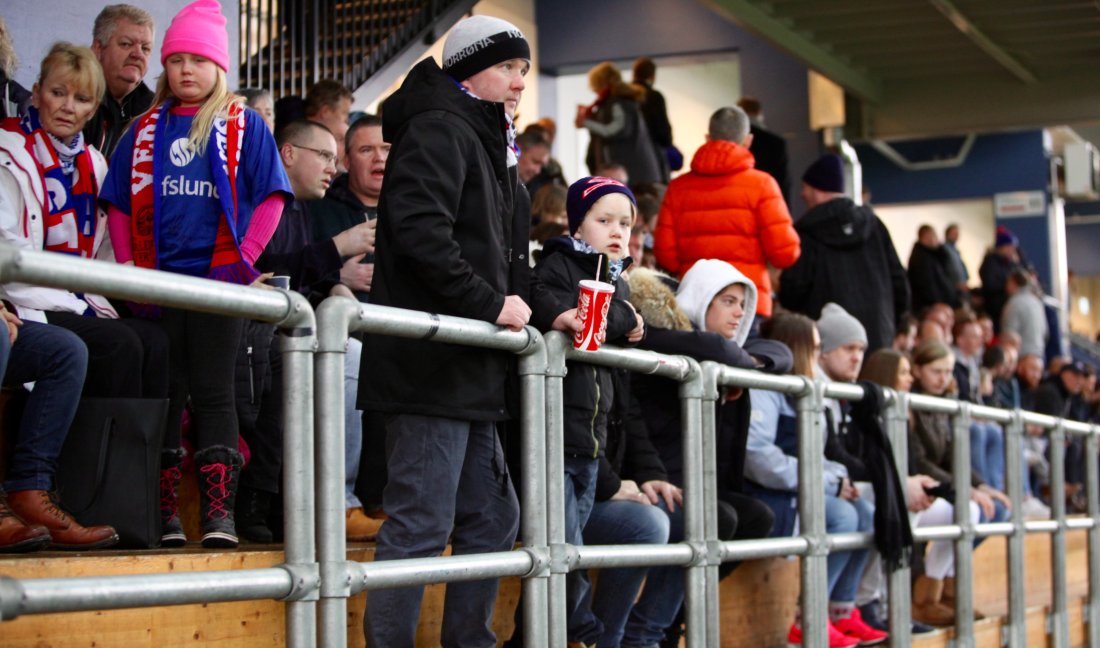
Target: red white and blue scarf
223 152
69 209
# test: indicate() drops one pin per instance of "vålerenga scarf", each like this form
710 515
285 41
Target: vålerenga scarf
70 187
226 140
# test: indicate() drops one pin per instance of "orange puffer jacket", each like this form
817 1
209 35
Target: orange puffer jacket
725 209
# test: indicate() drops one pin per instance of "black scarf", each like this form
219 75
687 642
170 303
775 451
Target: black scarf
893 537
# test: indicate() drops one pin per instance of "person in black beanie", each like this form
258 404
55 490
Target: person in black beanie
455 245
847 258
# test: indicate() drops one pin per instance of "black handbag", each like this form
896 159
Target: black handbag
109 468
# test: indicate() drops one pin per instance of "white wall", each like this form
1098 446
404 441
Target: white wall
36 26
975 233
693 89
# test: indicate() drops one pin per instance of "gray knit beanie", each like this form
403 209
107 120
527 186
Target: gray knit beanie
838 328
480 42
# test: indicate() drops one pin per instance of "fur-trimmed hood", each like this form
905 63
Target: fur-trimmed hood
654 295
703 282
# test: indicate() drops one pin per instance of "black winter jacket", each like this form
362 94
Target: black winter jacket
930 278
660 402
109 122
629 452
453 225
847 258
588 389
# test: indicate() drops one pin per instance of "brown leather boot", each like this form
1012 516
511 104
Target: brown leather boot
41 507
360 527
16 536
927 606
949 597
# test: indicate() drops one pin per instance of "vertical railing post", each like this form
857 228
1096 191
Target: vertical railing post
711 395
532 373
695 590
900 605
1059 609
1092 486
297 342
1016 628
333 318
556 344
811 511
964 545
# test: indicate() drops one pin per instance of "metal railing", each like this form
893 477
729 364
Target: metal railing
288 45
323 574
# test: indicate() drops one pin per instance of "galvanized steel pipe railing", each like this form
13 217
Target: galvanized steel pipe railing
546 557
899 583
337 318
291 313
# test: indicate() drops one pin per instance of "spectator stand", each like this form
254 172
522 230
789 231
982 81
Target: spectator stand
544 559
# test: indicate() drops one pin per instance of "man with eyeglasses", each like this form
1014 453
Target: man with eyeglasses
308 153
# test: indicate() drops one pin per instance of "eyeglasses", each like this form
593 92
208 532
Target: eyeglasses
326 156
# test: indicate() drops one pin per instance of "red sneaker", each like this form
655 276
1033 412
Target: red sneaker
837 639
855 628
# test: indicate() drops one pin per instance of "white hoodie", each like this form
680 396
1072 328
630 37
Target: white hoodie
702 283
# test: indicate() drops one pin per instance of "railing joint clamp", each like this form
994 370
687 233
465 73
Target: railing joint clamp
540 562
305 580
563 556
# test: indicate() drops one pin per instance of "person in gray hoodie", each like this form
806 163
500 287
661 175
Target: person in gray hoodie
708 318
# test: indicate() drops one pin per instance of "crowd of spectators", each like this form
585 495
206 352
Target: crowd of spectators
709 264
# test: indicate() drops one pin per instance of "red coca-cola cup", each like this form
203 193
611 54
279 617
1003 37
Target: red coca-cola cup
592 305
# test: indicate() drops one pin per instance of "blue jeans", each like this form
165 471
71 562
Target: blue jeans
841 516
447 479
55 360
987 453
353 422
656 610
846 567
580 496
618 522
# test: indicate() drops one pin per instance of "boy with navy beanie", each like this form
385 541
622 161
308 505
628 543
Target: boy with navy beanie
601 213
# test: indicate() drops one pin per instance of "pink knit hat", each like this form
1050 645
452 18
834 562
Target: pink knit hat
199 28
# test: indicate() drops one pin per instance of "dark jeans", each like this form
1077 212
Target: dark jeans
203 350
740 517
263 429
447 479
127 358
56 360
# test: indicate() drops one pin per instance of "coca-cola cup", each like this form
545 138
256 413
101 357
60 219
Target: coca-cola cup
592 305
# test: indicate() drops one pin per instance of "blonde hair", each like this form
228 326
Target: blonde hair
76 65
213 107
606 76
8 58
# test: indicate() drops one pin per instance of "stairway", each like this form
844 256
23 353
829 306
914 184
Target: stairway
288 45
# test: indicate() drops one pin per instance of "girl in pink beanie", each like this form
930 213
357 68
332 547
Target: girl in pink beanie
180 200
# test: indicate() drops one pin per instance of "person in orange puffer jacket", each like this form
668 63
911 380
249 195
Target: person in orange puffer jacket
725 209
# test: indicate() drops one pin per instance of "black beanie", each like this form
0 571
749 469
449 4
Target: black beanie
480 42
585 192
826 174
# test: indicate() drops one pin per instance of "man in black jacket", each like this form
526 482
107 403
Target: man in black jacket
929 272
453 224
122 41
847 258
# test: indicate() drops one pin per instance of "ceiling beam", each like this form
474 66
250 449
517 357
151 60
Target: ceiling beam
985 43
943 104
749 14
